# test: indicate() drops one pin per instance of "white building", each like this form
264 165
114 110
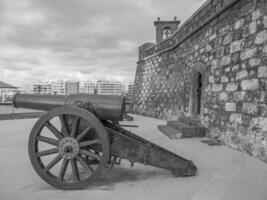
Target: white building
130 91
58 87
72 87
88 88
7 92
41 88
110 88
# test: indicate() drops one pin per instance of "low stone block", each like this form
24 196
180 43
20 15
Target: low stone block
262 71
252 84
250 108
231 87
261 37
241 74
230 107
235 68
248 53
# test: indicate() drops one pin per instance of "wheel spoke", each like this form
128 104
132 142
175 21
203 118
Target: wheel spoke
89 142
84 164
90 154
65 127
53 162
47 152
47 140
54 130
75 126
74 169
83 133
63 169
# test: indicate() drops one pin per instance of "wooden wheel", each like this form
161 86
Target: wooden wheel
69 147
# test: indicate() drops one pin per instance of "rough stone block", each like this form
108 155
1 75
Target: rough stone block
225 60
254 62
248 53
262 71
236 46
231 87
261 37
236 118
252 84
239 23
250 108
252 27
239 96
256 14
224 79
216 87
228 38
265 21
241 74
264 50
235 68
223 96
211 79
230 106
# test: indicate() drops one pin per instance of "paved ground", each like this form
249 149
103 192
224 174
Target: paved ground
4 109
223 173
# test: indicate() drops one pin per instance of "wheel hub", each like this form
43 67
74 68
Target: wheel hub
68 147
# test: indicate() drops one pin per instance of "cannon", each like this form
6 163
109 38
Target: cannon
79 137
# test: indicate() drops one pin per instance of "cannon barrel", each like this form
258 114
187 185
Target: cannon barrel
103 106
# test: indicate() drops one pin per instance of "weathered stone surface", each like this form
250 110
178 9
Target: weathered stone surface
231 87
230 106
236 46
261 37
250 108
262 72
236 118
241 74
252 84
216 87
223 96
225 60
248 53
224 79
239 96
239 23
254 62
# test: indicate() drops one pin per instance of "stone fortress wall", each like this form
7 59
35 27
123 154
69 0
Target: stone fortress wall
223 47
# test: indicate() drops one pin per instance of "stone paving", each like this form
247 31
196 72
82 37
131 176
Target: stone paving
223 173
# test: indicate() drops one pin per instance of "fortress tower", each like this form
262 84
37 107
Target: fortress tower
165 29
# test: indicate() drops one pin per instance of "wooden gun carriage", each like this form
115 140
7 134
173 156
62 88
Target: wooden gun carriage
79 137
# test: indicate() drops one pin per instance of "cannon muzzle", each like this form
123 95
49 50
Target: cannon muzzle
103 106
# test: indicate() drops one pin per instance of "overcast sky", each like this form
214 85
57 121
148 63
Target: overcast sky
44 40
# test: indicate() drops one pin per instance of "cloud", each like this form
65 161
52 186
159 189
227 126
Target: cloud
78 39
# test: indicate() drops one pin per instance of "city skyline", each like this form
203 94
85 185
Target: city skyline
46 40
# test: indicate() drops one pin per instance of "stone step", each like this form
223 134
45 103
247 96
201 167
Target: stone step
188 131
170 132
189 121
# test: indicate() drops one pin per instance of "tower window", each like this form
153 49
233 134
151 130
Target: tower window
166 32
